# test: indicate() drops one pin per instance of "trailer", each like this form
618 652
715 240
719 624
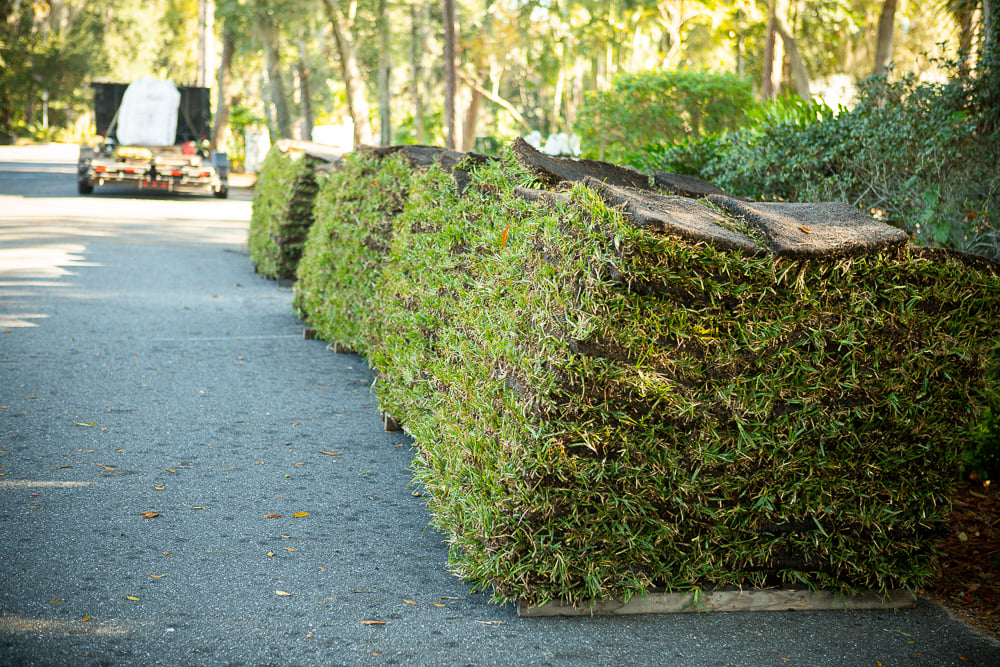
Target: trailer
153 137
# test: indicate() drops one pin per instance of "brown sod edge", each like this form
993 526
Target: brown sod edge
743 600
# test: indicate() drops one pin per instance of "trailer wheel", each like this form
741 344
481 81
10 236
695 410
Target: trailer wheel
221 193
84 188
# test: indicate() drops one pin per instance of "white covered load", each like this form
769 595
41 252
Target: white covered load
148 113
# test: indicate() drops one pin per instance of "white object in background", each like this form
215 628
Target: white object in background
562 144
258 143
533 139
148 114
341 136
574 145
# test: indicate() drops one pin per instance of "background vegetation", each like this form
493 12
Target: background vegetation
687 85
519 65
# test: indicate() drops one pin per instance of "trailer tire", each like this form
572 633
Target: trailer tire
84 188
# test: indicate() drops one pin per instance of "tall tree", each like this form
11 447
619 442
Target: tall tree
418 46
774 55
270 39
224 81
304 71
883 43
350 72
800 76
448 11
384 74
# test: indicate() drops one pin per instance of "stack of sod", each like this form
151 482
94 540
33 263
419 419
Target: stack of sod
345 249
613 392
282 210
344 252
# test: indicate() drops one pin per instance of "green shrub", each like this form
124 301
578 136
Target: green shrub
911 153
345 249
601 409
282 211
651 108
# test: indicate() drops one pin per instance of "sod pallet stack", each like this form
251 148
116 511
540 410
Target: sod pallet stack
283 206
615 390
343 256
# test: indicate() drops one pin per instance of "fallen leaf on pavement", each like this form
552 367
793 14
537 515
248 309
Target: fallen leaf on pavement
85 619
59 467
157 576
299 515
131 597
331 453
289 549
149 515
408 601
101 465
271 516
435 604
57 600
282 594
85 423
373 622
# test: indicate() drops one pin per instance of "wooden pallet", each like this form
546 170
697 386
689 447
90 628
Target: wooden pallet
737 600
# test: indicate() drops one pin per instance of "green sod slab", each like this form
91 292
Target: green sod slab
614 391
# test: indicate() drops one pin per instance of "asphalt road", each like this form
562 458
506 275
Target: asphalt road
144 367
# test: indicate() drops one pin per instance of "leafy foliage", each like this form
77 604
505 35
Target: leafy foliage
654 107
282 212
31 61
915 154
601 409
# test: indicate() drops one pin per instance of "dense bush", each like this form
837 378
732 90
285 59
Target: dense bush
915 154
282 211
659 107
602 408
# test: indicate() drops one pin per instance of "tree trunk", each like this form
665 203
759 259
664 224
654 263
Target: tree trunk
417 49
305 94
272 57
448 10
990 69
471 120
991 26
773 56
799 73
220 126
883 43
354 85
384 75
